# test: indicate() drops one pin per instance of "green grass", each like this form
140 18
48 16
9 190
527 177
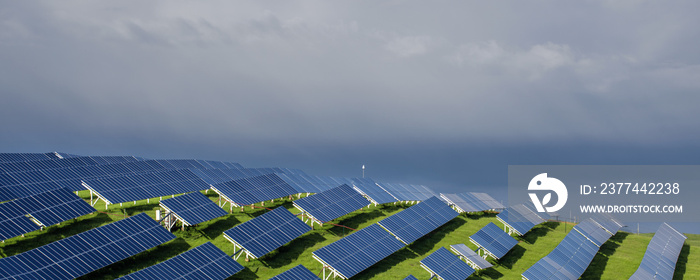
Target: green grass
617 259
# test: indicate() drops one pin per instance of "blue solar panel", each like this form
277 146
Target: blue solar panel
608 223
358 251
142 186
476 261
593 231
331 204
446 265
376 193
88 251
47 164
193 208
567 261
48 208
17 157
418 220
410 277
494 240
472 201
205 261
267 232
659 261
247 191
298 272
520 218
407 192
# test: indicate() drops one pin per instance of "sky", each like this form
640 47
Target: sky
445 94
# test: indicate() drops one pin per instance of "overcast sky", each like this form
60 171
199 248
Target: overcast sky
446 93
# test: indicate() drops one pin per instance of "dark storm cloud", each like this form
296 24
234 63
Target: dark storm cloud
447 95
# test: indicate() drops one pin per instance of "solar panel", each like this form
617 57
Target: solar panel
608 223
205 261
88 251
135 187
298 272
659 261
193 208
519 219
15 157
410 277
331 204
304 183
493 240
407 192
567 261
267 232
446 265
472 201
593 231
418 220
56 163
46 209
358 251
251 190
472 258
374 192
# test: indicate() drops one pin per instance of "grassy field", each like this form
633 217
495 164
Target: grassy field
617 259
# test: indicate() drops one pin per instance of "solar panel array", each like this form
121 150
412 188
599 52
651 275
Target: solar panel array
418 220
493 240
593 231
609 223
48 208
660 258
408 192
446 265
567 261
205 261
331 204
46 164
358 251
16 157
267 232
216 176
135 187
305 183
251 190
472 201
520 218
298 272
88 251
472 258
193 208
373 191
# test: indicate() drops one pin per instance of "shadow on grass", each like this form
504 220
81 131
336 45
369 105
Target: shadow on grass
354 222
600 261
490 272
217 228
387 263
479 215
539 231
246 273
290 252
512 256
140 261
53 233
682 262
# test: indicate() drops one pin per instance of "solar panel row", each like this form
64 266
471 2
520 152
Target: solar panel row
659 261
373 191
48 208
408 192
519 218
46 164
205 261
358 251
135 187
609 223
593 231
493 240
331 204
88 251
567 261
446 265
472 201
193 208
247 191
472 258
298 272
418 220
305 183
15 157
216 176
267 232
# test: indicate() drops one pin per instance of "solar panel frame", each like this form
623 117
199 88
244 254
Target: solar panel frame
193 208
332 204
472 258
661 255
267 232
593 231
373 191
493 240
251 190
446 265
